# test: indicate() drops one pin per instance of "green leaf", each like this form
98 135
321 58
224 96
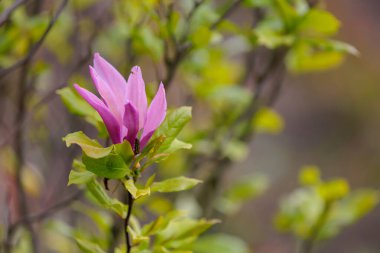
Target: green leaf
152 148
150 180
271 38
134 191
305 57
349 210
102 198
175 184
177 145
162 222
172 126
258 3
201 37
80 177
235 150
220 243
299 211
182 232
146 42
78 106
89 247
309 175
241 191
333 189
268 121
125 151
90 147
247 188
287 13
75 103
154 226
112 166
319 22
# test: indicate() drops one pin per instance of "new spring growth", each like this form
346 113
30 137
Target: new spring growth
123 105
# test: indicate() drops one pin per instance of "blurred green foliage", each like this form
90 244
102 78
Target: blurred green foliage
321 209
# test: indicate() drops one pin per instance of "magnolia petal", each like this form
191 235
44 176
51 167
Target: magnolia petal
155 116
108 96
131 121
136 94
109 120
111 76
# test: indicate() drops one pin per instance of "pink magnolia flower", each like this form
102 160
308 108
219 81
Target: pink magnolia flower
124 107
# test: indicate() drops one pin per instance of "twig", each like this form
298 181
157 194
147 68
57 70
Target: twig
33 50
126 223
226 13
4 17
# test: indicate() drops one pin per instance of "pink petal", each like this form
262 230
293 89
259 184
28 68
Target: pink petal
111 76
131 121
115 106
109 120
136 94
155 116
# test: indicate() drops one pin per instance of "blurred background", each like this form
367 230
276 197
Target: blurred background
330 118
332 121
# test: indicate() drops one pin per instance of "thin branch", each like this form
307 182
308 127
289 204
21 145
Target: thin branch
126 223
4 17
226 13
33 50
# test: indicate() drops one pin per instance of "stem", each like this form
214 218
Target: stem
126 223
308 244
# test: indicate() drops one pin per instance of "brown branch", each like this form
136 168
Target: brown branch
4 17
226 13
33 50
